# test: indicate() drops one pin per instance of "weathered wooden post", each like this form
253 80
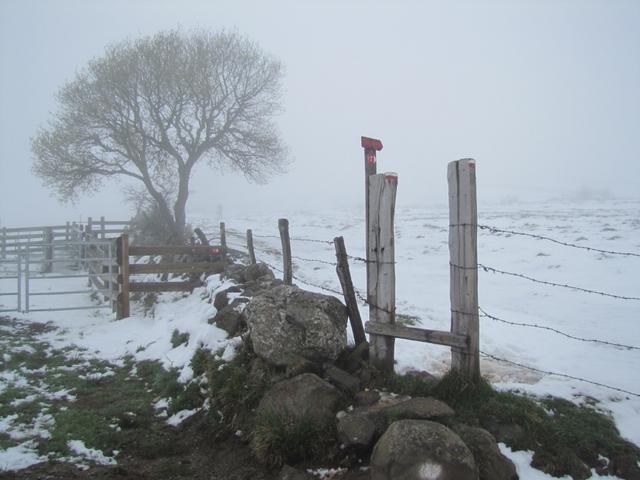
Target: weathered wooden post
381 277
47 262
89 228
252 252
103 234
67 232
223 243
371 146
463 254
122 250
4 242
344 274
287 266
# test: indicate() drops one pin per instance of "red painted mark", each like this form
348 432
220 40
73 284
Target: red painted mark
472 164
215 250
371 157
391 176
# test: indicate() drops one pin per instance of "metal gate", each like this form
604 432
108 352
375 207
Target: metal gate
10 269
90 259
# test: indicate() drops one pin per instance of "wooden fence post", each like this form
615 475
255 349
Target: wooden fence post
252 252
381 277
123 276
47 265
344 274
89 227
287 266
103 234
223 242
463 254
371 146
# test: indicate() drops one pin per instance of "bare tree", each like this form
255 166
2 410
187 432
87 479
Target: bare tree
152 109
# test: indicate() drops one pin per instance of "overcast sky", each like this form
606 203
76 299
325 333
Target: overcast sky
545 95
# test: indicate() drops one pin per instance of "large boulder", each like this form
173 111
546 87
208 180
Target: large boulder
356 431
305 396
286 322
492 464
421 450
230 318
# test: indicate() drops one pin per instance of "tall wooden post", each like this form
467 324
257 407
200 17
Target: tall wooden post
287 267
463 254
122 249
89 228
381 277
103 234
371 146
344 274
252 252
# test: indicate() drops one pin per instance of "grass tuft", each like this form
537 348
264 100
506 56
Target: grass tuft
178 338
278 439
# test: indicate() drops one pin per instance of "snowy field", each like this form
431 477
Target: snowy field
422 279
422 273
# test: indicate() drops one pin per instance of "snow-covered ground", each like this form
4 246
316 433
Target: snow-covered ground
422 273
422 279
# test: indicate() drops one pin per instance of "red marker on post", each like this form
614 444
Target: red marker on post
371 146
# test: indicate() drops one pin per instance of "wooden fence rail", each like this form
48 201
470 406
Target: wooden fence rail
208 259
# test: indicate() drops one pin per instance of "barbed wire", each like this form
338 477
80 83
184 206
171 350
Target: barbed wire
557 374
494 230
297 239
559 242
334 264
364 260
554 330
553 284
306 282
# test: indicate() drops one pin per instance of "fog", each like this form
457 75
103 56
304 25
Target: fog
545 95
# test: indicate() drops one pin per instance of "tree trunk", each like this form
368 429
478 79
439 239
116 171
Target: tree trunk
179 208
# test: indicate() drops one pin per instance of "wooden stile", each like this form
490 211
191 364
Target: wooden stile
463 254
287 266
418 334
381 281
344 274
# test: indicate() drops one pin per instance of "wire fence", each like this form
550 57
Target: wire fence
362 297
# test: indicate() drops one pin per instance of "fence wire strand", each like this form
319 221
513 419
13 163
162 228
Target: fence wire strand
553 284
554 330
494 230
557 374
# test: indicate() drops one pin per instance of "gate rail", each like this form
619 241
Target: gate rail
17 261
104 253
